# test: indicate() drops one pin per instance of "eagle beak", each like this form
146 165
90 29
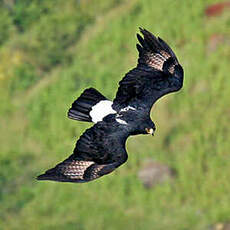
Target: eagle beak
150 131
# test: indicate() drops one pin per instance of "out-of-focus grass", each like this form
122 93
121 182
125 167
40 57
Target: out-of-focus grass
48 59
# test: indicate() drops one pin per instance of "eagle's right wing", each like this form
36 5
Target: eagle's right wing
99 151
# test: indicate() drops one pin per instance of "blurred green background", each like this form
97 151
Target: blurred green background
49 52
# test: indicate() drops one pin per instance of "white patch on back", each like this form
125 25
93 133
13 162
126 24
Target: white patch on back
127 108
118 116
101 110
121 121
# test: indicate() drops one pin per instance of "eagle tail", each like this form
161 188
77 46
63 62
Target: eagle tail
81 107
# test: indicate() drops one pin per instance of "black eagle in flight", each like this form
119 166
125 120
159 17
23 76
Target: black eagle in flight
101 148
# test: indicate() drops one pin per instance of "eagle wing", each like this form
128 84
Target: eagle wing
99 151
158 72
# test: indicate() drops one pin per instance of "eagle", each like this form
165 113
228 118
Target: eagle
101 148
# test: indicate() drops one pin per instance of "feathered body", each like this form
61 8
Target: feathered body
101 148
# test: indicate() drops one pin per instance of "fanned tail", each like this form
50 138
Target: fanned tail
81 107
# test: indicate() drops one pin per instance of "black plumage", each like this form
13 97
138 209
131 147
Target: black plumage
101 148
81 107
157 73
99 151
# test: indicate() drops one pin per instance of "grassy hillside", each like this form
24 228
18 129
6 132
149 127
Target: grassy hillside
52 50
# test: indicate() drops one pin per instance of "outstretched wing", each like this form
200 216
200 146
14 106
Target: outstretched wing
158 73
99 151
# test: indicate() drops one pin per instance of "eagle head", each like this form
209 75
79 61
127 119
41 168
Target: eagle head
150 128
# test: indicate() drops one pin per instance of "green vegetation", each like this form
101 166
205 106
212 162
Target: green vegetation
52 50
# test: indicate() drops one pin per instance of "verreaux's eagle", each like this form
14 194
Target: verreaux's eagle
101 148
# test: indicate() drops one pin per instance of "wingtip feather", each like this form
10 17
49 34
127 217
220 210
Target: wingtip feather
141 29
41 177
152 43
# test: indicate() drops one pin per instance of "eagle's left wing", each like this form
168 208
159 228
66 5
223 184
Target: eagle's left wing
158 73
99 151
